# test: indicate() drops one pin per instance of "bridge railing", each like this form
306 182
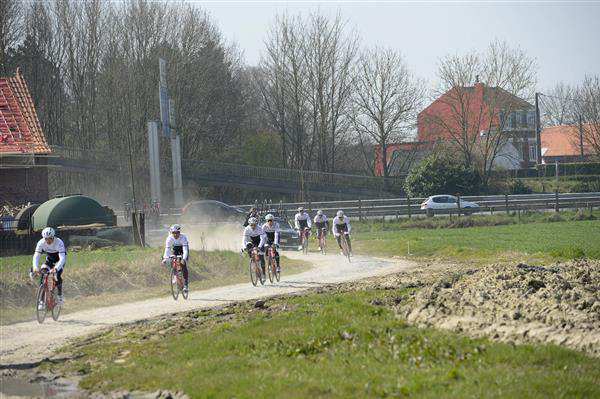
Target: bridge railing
300 177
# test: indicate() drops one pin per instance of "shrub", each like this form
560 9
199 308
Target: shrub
439 174
516 186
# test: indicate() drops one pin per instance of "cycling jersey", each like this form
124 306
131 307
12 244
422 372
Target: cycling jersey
341 224
272 232
302 220
56 252
254 236
177 246
321 221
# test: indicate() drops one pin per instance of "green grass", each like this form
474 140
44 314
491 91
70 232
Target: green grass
324 345
540 241
115 275
476 220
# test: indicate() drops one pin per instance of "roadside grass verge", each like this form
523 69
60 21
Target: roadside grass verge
334 345
115 275
520 242
476 220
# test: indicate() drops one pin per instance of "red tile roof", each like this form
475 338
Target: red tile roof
20 130
559 141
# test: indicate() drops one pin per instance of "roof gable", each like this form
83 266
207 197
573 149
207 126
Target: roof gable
20 130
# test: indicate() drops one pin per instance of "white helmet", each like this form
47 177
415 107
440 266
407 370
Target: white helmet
320 213
300 209
48 232
252 221
340 213
175 228
269 217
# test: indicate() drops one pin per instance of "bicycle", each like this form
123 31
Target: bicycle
304 240
273 272
256 273
323 240
344 244
47 296
177 280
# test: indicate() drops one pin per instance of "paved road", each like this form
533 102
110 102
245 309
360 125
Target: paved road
30 342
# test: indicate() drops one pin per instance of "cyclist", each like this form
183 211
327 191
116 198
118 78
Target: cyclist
302 222
341 225
251 214
254 236
322 225
56 257
271 229
177 244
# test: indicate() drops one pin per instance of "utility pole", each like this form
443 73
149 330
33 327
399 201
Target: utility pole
538 135
580 138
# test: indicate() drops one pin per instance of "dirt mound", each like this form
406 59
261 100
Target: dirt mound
558 304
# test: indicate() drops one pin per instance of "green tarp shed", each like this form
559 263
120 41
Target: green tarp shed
74 210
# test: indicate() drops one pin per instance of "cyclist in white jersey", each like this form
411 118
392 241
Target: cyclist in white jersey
341 225
271 229
254 236
322 224
302 221
177 244
56 257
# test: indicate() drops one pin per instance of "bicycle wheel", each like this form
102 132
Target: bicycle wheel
180 285
277 271
346 250
253 272
174 288
323 244
41 299
271 269
261 275
57 307
304 243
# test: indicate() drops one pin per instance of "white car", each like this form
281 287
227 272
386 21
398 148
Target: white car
440 202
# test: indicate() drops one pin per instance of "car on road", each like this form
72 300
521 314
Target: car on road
446 202
288 236
210 211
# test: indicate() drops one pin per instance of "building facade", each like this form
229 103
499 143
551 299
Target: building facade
23 146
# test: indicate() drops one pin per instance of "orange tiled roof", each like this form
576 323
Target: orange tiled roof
20 130
558 141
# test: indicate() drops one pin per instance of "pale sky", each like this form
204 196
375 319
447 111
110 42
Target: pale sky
564 37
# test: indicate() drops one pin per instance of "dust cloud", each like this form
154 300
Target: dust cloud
214 237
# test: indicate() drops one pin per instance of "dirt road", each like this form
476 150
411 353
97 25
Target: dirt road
30 342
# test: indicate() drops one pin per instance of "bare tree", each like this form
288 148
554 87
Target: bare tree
558 107
329 53
385 101
11 28
587 102
305 84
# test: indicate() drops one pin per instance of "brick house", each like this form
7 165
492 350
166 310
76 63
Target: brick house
479 110
23 146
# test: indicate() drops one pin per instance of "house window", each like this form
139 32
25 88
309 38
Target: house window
512 120
531 119
532 152
523 115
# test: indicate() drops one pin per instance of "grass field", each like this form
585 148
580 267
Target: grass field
533 241
331 345
110 276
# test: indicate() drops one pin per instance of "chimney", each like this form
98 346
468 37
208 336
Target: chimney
476 78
